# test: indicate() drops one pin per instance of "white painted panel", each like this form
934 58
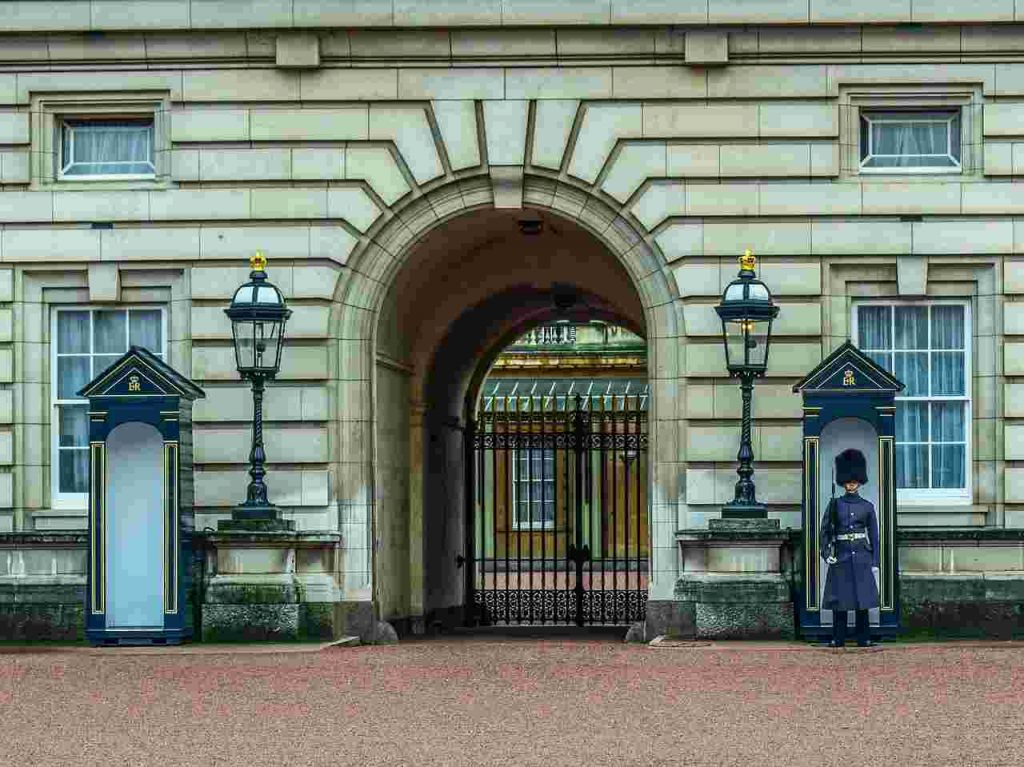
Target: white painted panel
135 529
841 434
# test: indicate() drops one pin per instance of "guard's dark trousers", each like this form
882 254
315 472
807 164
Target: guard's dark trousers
839 626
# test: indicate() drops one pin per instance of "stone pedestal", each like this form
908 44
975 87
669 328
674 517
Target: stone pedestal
735 581
275 586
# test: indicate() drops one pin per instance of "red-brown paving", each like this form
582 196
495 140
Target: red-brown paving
461 701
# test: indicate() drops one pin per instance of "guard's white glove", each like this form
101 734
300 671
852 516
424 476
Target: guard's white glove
830 560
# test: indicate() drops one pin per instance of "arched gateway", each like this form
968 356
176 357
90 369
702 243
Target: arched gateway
429 300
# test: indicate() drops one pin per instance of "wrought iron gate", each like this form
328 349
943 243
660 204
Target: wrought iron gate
558 523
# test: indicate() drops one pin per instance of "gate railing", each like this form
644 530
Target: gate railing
558 524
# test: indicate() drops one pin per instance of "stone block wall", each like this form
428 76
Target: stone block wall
697 130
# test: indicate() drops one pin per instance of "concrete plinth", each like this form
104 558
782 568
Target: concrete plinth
277 586
735 582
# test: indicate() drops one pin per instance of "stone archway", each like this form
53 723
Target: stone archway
435 291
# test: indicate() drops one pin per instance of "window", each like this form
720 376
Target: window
533 489
910 142
114 148
84 343
927 347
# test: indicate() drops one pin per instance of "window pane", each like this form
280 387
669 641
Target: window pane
72 374
549 511
947 327
911 466
948 422
145 329
948 466
874 327
109 334
73 425
910 138
911 327
912 421
107 147
948 373
883 359
912 370
73 471
72 332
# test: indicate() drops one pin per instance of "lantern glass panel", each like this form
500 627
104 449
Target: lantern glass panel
268 346
746 343
244 332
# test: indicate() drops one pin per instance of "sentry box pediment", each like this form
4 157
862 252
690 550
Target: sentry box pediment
140 501
846 371
140 373
848 402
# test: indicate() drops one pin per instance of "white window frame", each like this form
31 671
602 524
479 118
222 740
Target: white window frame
58 499
890 115
67 133
525 454
933 496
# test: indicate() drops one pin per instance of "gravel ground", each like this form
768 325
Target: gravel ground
461 701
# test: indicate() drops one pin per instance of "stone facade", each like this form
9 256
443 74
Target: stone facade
381 152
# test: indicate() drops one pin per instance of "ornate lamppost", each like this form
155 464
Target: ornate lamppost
747 312
258 315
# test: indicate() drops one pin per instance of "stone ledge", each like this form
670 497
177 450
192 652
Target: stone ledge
37 539
747 588
957 535
267 539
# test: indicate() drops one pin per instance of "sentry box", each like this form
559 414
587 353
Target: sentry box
140 502
848 402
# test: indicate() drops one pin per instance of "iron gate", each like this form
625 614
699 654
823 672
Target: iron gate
558 523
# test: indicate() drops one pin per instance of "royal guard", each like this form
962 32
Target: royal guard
849 544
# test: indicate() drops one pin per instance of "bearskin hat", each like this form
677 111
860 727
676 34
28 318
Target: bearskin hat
851 466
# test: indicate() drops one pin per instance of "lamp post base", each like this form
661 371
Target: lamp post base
744 510
262 518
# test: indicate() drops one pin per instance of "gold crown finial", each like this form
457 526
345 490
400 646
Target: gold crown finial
258 263
747 261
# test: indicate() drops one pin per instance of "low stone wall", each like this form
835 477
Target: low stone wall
42 586
963 583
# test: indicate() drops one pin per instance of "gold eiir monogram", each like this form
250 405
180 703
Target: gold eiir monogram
134 384
848 379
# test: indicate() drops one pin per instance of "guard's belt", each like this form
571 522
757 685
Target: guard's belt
851 536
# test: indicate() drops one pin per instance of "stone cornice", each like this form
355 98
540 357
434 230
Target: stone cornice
109 15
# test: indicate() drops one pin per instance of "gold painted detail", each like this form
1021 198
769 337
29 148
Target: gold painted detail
747 261
886 522
134 384
96 497
848 379
811 523
258 262
171 527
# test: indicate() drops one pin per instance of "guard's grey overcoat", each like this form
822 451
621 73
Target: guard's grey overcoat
850 584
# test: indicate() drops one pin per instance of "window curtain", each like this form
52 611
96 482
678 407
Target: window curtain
108 148
896 144
925 348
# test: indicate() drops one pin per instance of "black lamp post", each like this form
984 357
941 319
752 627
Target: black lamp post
258 315
746 312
